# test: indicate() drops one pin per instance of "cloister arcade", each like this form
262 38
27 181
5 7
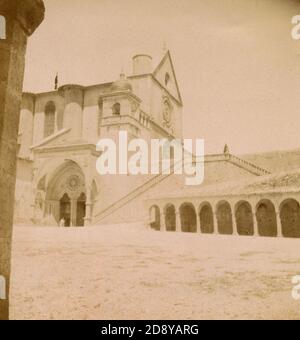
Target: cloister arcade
275 216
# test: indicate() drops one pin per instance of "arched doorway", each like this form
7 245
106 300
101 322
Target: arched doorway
188 218
266 219
206 219
224 217
155 217
290 218
244 219
65 210
170 215
66 196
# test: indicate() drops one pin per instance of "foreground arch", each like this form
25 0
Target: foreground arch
170 217
290 218
244 219
206 219
266 219
224 217
188 218
155 217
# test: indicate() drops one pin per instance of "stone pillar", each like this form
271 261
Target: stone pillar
178 222
22 17
255 225
215 217
234 225
88 210
279 224
73 212
163 222
88 214
198 224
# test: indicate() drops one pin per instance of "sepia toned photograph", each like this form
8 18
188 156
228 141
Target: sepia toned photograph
149 162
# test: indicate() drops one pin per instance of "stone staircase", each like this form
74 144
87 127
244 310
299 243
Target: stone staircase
252 168
130 197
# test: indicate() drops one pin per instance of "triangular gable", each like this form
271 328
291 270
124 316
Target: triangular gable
165 75
57 139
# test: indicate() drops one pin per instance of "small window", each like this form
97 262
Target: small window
167 79
49 125
116 109
2 28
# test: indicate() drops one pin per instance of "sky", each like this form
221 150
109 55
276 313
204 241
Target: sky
236 63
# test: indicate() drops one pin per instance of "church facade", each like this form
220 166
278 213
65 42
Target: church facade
59 130
57 178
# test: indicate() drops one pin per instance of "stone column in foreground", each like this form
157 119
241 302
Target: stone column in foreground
19 19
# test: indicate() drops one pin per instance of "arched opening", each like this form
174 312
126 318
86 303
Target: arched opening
188 218
290 218
244 219
224 217
81 204
66 196
266 219
206 219
170 215
155 217
116 109
49 124
65 210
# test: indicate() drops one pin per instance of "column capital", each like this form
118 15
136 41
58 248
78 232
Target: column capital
29 13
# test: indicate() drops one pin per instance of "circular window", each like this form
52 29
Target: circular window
73 183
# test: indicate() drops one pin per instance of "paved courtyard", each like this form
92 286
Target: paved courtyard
124 272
